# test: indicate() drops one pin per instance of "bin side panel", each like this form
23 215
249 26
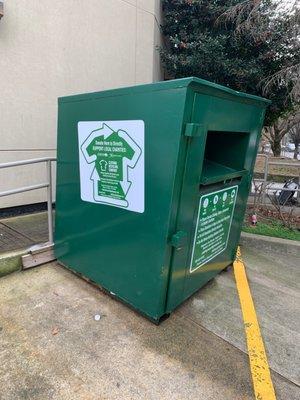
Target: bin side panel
223 115
122 251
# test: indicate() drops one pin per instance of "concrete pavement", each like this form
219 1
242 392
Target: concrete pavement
23 231
274 283
51 347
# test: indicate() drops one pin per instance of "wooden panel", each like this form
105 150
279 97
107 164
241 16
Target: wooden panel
39 254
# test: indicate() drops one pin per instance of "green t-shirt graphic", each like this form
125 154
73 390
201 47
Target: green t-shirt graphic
108 150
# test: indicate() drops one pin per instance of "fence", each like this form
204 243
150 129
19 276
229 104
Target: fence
266 172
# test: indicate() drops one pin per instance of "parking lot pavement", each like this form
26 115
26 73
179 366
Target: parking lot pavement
274 282
51 346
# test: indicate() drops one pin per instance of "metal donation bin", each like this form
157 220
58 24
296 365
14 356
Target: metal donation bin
152 184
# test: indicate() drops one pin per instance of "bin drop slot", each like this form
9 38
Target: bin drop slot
225 156
213 172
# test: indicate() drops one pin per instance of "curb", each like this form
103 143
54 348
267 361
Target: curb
276 245
11 262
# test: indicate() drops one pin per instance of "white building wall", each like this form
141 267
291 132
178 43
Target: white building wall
52 48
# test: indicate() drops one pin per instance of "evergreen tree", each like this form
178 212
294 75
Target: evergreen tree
202 41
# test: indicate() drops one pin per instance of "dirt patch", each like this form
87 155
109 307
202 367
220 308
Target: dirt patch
280 170
271 223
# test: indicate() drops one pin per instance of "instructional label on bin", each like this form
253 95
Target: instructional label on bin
111 159
213 225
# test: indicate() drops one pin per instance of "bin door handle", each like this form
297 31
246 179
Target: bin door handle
194 130
179 239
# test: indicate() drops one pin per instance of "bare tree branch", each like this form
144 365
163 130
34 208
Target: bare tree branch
280 128
295 136
289 74
252 16
246 16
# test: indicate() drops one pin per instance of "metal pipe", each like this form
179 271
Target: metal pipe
266 171
47 185
24 189
26 162
282 188
49 202
284 164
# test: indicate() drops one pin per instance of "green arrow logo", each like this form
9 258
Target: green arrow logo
113 154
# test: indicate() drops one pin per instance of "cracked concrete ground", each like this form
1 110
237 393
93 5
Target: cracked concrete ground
51 347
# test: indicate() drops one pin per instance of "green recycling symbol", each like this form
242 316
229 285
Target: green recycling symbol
113 153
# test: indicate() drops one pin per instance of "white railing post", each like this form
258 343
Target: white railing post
266 172
49 201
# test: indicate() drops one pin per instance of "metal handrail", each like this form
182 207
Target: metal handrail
26 162
24 189
47 184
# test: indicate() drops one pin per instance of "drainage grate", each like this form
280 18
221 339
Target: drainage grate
12 240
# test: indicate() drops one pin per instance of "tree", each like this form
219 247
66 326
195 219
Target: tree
295 136
249 17
216 40
276 132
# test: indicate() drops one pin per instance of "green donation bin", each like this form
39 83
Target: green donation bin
152 184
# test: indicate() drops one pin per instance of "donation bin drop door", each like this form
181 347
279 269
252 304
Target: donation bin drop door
210 213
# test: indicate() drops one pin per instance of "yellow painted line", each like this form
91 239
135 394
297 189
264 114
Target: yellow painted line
261 377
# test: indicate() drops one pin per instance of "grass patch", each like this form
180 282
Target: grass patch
272 228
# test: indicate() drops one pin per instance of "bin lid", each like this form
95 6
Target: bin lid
199 85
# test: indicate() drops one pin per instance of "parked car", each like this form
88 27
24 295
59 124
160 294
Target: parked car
290 147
